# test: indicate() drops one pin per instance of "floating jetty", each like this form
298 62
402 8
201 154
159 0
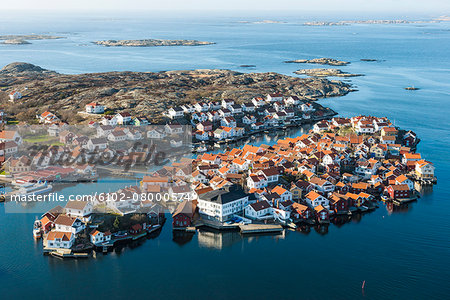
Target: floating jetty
260 228
65 253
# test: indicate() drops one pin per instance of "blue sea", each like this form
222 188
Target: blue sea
399 253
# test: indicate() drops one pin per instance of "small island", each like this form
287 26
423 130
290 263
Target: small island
319 61
19 39
15 42
345 23
325 73
150 43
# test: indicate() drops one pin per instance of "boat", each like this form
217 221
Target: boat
37 188
217 145
202 149
175 144
37 229
411 88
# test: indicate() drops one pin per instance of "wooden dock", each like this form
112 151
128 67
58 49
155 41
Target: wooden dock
260 228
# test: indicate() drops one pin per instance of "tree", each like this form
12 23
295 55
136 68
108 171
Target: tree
116 223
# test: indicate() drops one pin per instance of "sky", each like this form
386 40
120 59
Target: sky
437 7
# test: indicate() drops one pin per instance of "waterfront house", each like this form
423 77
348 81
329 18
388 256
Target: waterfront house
314 199
65 223
222 204
399 191
94 108
301 212
408 157
201 135
183 214
58 239
424 169
98 237
322 214
123 118
259 210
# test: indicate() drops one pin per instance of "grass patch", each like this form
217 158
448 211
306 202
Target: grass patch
38 138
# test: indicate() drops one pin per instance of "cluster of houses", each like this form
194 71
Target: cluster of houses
228 119
61 225
310 177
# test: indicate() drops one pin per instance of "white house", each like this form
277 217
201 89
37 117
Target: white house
14 95
123 118
155 133
109 120
97 143
79 209
226 103
259 210
274 97
222 204
117 136
94 108
65 223
58 239
314 199
98 237
258 101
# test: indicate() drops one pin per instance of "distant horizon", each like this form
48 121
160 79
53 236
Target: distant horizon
315 15
392 7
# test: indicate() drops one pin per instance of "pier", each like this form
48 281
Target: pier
260 228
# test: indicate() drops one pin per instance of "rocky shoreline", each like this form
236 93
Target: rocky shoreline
319 61
150 43
146 93
325 73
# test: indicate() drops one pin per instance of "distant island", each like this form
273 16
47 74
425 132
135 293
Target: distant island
325 73
19 39
320 61
262 22
150 43
344 23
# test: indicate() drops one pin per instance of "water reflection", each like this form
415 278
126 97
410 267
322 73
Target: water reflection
181 238
391 208
218 240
